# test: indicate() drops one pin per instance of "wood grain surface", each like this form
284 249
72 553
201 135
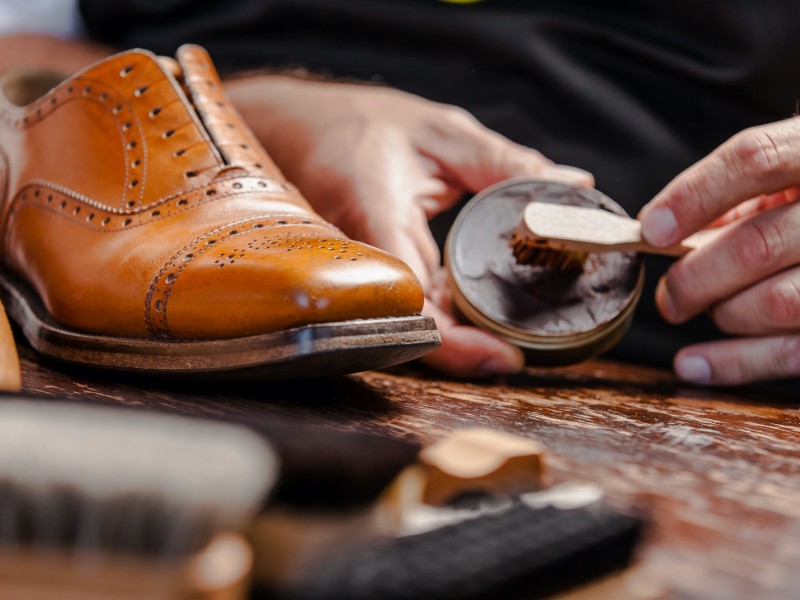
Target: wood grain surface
718 471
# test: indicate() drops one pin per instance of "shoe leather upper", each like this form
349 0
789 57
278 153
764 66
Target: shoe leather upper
136 202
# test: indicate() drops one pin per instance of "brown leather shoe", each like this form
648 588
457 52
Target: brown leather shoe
144 227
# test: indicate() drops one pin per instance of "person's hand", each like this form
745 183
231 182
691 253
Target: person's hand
748 278
379 163
40 51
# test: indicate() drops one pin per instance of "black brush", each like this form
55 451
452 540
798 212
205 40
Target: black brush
515 550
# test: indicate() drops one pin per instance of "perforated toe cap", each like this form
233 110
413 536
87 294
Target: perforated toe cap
257 282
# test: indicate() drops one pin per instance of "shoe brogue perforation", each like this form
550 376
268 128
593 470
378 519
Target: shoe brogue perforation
229 131
98 93
156 301
42 194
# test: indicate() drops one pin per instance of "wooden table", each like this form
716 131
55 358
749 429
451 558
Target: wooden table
718 470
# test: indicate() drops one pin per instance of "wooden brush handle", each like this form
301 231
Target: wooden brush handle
580 229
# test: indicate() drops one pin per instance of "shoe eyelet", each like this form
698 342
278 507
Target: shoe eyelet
155 213
139 91
105 221
154 112
132 144
190 174
89 217
167 133
127 125
127 222
182 202
136 162
76 210
211 192
134 183
87 90
237 186
124 72
178 153
117 109
103 96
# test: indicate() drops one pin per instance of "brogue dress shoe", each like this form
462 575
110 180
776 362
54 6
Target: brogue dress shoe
145 228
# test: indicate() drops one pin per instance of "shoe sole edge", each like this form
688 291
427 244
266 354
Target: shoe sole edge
314 350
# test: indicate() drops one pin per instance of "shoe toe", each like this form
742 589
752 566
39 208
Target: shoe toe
251 283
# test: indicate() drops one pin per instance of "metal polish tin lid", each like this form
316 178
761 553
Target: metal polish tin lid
557 318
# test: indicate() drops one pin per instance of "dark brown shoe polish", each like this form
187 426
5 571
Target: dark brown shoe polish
555 316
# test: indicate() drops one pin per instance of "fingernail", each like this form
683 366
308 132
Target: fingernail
659 227
694 369
669 310
512 361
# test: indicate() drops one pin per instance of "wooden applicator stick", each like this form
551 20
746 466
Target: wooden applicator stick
546 228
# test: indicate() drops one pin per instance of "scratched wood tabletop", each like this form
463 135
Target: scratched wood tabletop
718 471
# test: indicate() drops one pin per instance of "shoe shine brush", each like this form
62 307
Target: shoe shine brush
121 504
561 237
475 518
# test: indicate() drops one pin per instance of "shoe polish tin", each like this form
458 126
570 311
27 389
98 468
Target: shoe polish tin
556 317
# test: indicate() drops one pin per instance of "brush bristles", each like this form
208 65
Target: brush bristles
534 252
83 479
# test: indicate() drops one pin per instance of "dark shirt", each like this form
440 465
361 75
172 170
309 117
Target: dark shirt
633 91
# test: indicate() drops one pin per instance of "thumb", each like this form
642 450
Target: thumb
477 157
